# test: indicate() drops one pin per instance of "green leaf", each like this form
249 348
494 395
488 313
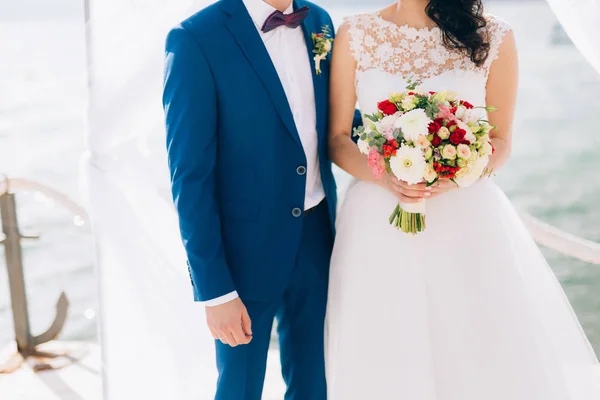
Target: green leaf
372 117
433 181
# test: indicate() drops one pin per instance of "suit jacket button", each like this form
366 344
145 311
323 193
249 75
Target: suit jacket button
296 212
301 170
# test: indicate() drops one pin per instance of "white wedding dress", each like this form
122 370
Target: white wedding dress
468 309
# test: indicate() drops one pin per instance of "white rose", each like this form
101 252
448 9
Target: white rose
463 151
485 138
474 156
469 175
327 46
408 103
422 142
430 173
444 133
461 112
486 149
450 96
449 152
363 147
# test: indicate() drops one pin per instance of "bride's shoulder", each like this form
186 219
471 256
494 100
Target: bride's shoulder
359 21
496 25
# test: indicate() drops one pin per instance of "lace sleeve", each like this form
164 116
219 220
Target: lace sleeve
358 27
497 29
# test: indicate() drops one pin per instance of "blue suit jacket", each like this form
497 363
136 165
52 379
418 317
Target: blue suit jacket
234 151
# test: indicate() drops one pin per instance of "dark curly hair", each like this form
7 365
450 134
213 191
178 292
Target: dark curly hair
462 24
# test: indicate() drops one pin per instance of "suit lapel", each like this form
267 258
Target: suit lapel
319 81
244 31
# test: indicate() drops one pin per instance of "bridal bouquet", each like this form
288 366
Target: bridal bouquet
424 137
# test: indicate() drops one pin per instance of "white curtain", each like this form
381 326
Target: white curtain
581 21
155 345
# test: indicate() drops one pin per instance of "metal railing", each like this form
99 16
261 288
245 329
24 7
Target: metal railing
27 343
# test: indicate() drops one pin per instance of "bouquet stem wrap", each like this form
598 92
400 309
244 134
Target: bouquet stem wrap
409 217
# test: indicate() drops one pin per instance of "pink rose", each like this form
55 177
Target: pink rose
377 163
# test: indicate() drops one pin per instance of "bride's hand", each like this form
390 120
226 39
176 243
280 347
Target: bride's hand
415 193
403 191
442 186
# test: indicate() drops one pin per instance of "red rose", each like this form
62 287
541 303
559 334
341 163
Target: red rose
436 141
450 124
440 121
457 136
453 110
411 93
466 104
432 93
434 127
387 107
319 35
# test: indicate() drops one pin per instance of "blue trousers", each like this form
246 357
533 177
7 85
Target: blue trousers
300 314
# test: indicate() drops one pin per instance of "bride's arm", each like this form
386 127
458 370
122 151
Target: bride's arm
502 93
342 101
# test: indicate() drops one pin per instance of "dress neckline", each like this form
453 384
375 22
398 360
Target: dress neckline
405 28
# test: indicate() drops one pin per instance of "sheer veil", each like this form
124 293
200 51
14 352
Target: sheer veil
155 344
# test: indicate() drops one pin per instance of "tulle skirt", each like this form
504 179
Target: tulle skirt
467 310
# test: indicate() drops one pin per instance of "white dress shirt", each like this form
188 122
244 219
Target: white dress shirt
289 54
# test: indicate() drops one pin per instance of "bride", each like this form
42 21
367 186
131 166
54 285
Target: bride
468 309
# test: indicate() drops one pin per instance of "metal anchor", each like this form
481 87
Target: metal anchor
11 239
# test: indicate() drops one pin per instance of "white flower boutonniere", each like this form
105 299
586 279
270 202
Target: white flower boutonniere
322 44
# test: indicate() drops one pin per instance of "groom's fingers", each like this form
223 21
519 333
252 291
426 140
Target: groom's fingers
230 339
246 323
214 333
239 336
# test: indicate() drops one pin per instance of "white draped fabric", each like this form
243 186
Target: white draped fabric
581 21
155 345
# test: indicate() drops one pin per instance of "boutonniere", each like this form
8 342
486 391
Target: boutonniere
322 44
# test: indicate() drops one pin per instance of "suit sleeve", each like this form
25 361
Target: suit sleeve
190 104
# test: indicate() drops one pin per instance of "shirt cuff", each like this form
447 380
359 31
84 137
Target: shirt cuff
222 299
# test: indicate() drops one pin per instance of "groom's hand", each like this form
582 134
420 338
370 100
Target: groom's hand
230 323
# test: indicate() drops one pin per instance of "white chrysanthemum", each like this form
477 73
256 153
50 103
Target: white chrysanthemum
430 173
408 164
413 124
472 172
363 146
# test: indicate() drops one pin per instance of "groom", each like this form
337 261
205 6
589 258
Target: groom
246 114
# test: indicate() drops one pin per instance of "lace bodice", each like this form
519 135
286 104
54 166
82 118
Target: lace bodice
399 49
387 55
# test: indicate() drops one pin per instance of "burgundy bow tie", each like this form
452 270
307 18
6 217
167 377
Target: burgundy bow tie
292 20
